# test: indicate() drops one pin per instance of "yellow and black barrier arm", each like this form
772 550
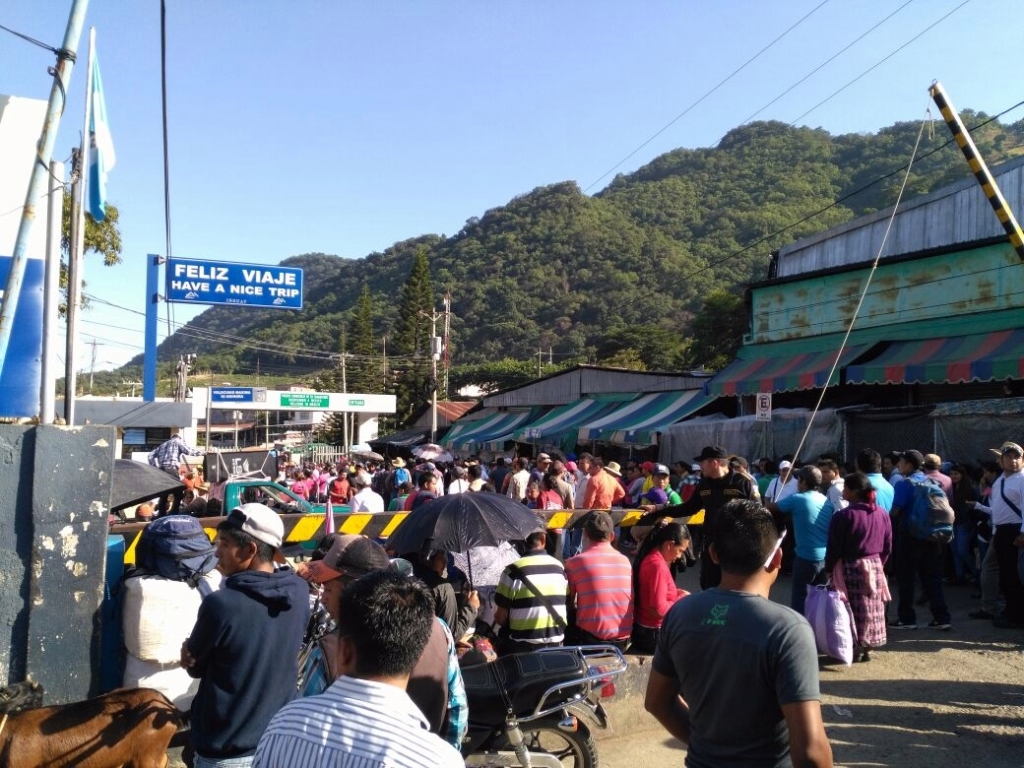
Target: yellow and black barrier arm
300 529
981 173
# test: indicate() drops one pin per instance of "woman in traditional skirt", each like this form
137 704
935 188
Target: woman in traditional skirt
859 544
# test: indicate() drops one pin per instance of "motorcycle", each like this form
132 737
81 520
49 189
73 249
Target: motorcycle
525 710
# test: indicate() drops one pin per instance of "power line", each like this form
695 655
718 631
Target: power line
879 62
844 198
686 111
827 61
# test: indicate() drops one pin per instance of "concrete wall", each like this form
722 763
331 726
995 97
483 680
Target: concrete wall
56 483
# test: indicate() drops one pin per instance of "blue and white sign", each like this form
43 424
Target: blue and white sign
238 395
19 384
191 281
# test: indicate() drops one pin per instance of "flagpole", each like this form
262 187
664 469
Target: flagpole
77 249
37 181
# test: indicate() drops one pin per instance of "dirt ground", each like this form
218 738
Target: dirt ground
928 698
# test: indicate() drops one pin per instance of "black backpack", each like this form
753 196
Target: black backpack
175 547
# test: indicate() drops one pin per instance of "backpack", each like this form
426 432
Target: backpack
175 547
930 517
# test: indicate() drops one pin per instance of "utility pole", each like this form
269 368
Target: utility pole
92 364
435 355
540 360
344 415
185 363
447 339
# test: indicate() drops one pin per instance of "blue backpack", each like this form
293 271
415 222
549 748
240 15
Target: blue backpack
930 517
175 547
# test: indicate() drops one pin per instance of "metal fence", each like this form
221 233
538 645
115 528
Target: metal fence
889 429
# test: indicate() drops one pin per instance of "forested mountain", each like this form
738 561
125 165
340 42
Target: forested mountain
620 275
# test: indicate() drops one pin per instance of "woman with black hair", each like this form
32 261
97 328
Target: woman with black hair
859 544
654 588
965 526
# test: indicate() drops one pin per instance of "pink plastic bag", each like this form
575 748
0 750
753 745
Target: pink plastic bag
832 622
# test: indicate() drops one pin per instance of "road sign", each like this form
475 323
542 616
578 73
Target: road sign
764 406
238 394
305 400
192 281
263 399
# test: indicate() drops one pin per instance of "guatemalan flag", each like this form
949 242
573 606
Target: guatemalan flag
101 148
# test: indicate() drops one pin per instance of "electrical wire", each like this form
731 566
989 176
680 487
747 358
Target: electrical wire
827 61
879 62
686 111
40 43
860 301
719 262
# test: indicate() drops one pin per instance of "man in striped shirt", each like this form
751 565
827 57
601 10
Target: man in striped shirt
531 600
601 586
365 719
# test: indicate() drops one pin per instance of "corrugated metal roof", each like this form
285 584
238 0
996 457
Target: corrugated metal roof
953 215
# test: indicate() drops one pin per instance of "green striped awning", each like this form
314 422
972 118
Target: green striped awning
564 419
638 422
483 430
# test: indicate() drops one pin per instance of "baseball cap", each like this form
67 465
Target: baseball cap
712 452
932 461
647 466
695 467
259 521
660 469
656 496
350 555
913 457
783 465
1008 448
543 457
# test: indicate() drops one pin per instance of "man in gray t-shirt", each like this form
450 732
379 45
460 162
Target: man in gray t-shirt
735 676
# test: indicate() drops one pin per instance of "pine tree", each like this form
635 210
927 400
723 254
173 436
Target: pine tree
412 339
363 367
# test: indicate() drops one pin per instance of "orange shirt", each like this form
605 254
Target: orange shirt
603 490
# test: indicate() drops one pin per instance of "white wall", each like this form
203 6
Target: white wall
21 121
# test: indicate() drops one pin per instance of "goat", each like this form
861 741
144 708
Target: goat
27 694
122 729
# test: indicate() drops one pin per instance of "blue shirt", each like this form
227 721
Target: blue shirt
883 490
811 512
903 491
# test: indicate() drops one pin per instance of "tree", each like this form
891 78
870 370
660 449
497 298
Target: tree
413 383
103 237
717 331
364 368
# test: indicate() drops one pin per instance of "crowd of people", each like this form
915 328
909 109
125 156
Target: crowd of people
397 627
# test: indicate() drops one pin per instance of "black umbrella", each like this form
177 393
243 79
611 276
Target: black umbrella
135 482
459 521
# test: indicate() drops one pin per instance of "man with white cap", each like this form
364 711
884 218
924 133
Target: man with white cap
1006 508
365 498
242 686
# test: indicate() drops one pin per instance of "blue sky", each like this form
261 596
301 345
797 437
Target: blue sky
341 127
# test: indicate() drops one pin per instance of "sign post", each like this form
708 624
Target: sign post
764 406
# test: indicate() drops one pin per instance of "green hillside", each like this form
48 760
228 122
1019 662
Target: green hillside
623 272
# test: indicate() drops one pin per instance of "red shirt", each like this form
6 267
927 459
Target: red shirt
601 582
657 591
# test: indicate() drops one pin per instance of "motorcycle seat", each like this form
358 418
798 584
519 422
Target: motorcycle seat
525 677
